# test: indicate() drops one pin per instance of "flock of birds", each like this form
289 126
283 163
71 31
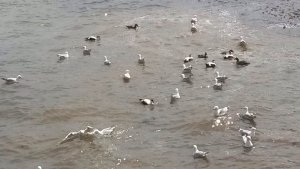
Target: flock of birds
90 132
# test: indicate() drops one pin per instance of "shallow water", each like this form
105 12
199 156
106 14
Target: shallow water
55 98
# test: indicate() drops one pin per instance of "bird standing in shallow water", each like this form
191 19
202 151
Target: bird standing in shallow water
198 153
221 78
12 80
187 69
217 86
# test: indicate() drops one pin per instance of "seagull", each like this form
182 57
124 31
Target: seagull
175 96
135 26
199 154
106 62
250 132
203 56
187 69
126 76
194 19
211 64
106 131
92 38
39 167
147 101
63 55
242 62
217 86
188 59
12 80
221 78
247 115
229 56
221 111
86 51
141 60
193 28
247 141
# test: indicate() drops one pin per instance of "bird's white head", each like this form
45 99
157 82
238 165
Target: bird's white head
195 146
19 77
246 107
177 90
105 57
84 47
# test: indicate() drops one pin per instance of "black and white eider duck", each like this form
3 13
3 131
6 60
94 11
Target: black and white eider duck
187 69
217 86
241 62
193 28
86 51
92 38
106 61
221 78
194 19
12 80
186 78
135 26
199 154
63 56
211 64
229 55
147 101
203 56
141 60
188 59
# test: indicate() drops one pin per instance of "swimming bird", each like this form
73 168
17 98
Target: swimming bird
193 28
221 111
194 19
92 38
211 64
186 78
247 141
187 69
175 96
147 101
229 56
63 55
250 132
106 62
188 59
243 44
247 115
203 56
141 60
241 62
198 153
126 76
86 51
217 86
12 80
135 26
221 78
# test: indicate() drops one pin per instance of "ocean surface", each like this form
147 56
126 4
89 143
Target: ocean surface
54 98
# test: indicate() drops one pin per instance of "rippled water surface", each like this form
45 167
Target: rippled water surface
55 98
